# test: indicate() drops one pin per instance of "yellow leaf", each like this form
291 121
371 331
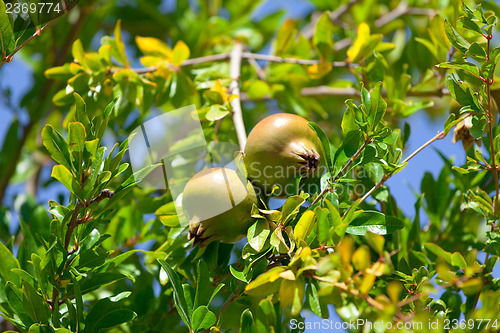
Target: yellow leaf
265 284
154 47
345 248
288 275
221 90
377 269
304 226
361 258
292 295
394 289
120 46
320 70
363 34
367 283
180 54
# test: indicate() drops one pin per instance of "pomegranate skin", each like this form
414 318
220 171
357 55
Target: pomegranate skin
279 148
218 203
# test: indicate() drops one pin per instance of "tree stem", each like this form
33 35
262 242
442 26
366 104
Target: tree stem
438 136
234 89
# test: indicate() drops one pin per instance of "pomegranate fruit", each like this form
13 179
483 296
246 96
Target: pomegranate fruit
218 203
278 149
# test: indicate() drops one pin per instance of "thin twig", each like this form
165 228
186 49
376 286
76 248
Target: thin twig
72 223
37 33
400 10
438 136
244 55
234 89
341 11
342 286
341 172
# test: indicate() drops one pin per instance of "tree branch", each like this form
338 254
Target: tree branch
234 89
438 136
244 55
400 10
37 33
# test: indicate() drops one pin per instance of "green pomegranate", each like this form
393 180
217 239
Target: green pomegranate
218 203
279 148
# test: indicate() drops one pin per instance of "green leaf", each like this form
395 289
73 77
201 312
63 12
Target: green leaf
349 120
266 283
107 313
215 292
314 302
203 318
34 305
8 155
81 113
376 107
15 299
471 25
76 137
8 262
216 112
265 319
105 118
240 275
99 280
323 225
325 143
257 89
462 93
323 35
438 251
247 324
375 222
292 295
57 147
64 176
202 285
257 234
457 40
6 29
450 122
291 207
466 66
458 260
489 66
180 301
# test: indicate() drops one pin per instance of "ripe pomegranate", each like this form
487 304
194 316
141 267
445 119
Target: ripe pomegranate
279 148
218 203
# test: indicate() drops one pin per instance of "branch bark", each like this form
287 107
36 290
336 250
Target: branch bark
234 89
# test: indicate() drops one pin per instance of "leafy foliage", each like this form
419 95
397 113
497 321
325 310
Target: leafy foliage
110 256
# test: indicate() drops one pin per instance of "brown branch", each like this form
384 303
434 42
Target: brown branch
73 223
37 33
342 10
342 286
400 10
438 136
234 89
226 56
